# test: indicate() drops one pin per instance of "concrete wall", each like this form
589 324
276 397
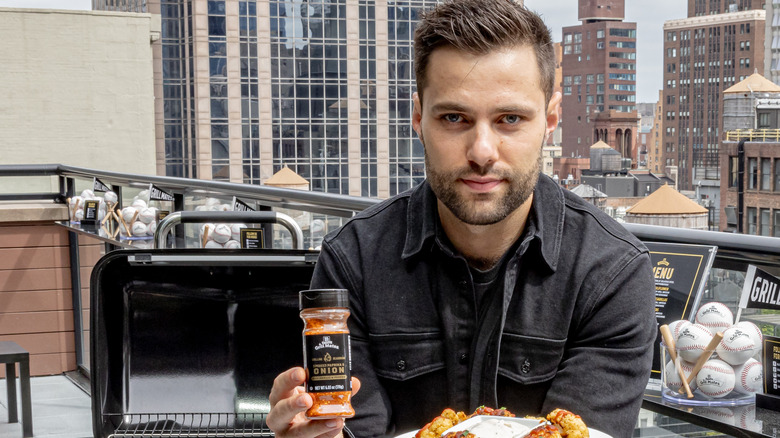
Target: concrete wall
77 89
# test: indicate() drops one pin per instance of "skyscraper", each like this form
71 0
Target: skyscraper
772 42
325 87
719 44
599 80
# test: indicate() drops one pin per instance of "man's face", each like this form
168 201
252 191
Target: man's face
483 122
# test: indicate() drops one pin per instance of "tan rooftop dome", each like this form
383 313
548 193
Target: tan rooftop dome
601 145
286 177
664 201
754 83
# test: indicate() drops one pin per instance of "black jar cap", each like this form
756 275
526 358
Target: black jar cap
314 298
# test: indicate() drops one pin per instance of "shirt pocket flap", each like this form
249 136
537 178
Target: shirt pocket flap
402 356
529 359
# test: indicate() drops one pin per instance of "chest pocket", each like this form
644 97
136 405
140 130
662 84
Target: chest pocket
528 359
403 356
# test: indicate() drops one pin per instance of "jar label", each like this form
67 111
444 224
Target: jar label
328 362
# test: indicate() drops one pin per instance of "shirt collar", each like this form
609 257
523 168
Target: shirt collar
545 221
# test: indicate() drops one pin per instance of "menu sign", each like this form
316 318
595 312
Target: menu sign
770 399
252 238
679 271
91 207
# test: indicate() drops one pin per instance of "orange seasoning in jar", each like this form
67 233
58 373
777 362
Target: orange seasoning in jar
326 352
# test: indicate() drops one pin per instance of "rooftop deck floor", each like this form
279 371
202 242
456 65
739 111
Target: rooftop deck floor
61 408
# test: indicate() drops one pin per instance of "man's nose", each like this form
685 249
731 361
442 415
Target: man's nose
483 148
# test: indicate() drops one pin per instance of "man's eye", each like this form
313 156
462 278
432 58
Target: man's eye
452 118
511 118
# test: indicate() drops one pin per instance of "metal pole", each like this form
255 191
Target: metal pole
740 186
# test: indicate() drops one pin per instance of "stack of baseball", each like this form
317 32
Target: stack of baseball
717 357
76 204
221 235
138 219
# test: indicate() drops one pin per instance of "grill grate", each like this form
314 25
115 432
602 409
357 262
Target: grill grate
210 425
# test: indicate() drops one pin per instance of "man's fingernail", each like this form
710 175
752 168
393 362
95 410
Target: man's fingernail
301 402
332 423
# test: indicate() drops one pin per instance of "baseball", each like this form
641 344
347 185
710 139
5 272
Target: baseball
152 228
753 331
207 228
232 244
716 379
675 327
143 195
715 316
235 231
213 244
221 233
78 216
749 377
139 204
736 347
672 378
692 341
139 228
128 213
110 197
147 215
87 194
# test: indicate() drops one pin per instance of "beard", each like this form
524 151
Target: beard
483 208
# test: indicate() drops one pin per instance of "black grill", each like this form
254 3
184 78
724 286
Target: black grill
187 343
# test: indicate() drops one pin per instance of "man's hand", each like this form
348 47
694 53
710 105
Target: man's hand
289 402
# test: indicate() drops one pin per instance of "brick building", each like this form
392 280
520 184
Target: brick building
719 44
751 119
599 78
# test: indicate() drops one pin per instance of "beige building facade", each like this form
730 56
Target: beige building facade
77 89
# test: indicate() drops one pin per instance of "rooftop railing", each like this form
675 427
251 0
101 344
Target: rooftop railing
753 135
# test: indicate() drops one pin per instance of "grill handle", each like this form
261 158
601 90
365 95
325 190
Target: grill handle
251 217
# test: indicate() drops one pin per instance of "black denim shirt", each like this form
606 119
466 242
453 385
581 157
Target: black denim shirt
571 325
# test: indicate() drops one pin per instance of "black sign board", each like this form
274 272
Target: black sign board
239 205
252 238
679 271
158 194
760 291
99 186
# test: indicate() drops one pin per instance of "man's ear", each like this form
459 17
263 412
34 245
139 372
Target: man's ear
417 116
553 112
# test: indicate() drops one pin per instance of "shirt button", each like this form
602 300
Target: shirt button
400 365
526 368
464 357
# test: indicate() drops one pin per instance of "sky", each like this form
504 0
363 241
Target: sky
649 16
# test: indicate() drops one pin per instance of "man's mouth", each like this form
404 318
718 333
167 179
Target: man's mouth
481 185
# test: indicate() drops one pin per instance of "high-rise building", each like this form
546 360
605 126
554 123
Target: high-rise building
599 80
719 44
246 87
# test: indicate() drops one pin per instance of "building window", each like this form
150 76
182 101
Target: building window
733 171
751 220
600 78
567 38
777 223
777 175
764 221
766 174
752 173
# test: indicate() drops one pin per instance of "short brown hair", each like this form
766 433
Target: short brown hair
479 26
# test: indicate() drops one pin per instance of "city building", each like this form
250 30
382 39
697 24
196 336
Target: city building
244 88
772 42
655 151
751 151
79 93
717 45
599 80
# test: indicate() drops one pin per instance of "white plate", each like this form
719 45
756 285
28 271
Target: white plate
530 423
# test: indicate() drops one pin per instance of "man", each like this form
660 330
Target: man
488 284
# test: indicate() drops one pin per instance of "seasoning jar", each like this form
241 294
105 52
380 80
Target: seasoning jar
326 352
